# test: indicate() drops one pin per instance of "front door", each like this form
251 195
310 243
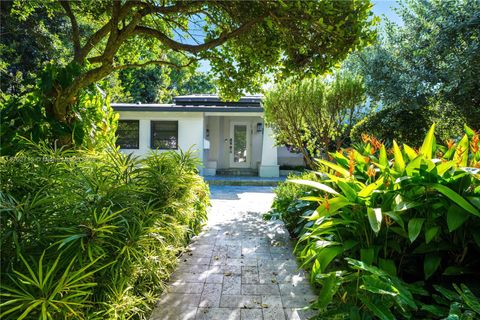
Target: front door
239 146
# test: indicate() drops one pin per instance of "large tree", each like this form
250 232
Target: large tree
426 70
243 40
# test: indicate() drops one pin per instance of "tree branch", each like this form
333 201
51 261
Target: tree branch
157 62
75 30
175 45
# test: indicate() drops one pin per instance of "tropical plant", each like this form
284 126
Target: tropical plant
90 234
407 220
315 115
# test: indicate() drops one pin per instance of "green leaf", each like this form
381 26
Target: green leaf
379 310
469 131
399 164
431 263
475 201
326 255
367 255
395 217
334 205
375 285
367 191
449 294
330 286
414 165
456 216
347 190
402 205
382 158
375 218
414 228
444 167
427 147
455 197
344 172
461 152
314 184
411 154
470 299
388 265
431 233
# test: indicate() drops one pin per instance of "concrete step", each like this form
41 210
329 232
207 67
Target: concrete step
244 172
243 181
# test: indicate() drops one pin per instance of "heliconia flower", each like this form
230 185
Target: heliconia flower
351 162
450 143
388 220
460 152
326 203
371 171
365 138
377 144
474 143
387 183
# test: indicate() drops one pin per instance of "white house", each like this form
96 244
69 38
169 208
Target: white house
227 135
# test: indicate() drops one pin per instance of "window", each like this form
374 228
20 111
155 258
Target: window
164 135
128 134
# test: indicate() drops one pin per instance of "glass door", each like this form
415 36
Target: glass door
239 146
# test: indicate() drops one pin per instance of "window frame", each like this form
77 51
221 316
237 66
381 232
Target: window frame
138 135
152 126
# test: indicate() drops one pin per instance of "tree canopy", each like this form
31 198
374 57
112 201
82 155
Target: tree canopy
243 41
315 116
426 69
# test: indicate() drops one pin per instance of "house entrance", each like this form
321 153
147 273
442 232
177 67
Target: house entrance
239 145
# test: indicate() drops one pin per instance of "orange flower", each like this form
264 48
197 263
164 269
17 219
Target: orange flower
474 143
351 162
387 183
367 159
326 203
388 220
371 171
365 137
377 144
450 143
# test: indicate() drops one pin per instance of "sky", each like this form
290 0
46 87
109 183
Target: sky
381 8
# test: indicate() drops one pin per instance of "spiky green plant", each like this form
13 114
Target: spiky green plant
124 217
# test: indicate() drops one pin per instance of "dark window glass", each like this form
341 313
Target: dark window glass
164 135
128 134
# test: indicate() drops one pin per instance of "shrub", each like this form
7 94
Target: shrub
93 234
392 231
315 115
289 208
407 124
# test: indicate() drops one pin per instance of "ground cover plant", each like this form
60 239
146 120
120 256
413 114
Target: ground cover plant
391 232
93 234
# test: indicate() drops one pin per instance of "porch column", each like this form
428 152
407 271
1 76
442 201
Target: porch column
269 167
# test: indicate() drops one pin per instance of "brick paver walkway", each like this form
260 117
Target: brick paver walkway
239 267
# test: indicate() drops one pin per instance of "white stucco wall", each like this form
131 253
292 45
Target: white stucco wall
190 129
287 158
191 133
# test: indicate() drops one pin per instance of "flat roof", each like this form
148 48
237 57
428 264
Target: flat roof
197 103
